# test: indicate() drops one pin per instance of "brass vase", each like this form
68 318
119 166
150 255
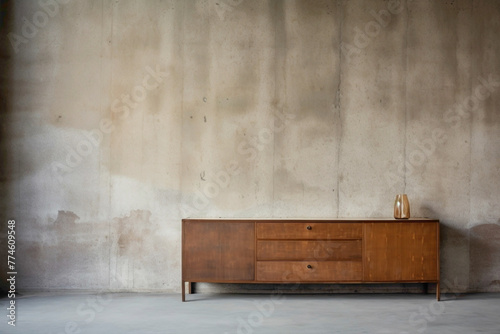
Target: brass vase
401 207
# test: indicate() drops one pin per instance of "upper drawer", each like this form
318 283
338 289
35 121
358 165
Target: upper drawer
309 230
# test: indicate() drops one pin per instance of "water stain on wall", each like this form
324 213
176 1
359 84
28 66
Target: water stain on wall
138 253
485 257
65 217
132 230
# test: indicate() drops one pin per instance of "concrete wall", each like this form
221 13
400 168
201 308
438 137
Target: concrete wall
121 117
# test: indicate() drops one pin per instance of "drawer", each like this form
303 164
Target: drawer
309 271
298 250
309 230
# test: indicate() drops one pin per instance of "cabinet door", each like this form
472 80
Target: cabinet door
401 252
218 251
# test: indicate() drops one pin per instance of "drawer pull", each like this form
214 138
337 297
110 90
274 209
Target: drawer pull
309 266
309 227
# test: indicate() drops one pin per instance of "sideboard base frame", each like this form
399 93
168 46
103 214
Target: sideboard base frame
190 289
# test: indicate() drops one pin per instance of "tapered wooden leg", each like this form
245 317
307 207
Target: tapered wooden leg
183 291
438 292
190 286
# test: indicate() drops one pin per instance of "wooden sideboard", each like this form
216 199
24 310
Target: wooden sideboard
310 251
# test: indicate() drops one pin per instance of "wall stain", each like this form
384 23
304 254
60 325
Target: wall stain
485 257
66 217
136 251
132 230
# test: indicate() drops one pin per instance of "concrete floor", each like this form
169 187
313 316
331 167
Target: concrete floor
228 313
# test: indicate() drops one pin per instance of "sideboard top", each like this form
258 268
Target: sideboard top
347 220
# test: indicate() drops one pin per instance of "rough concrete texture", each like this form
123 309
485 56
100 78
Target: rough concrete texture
119 118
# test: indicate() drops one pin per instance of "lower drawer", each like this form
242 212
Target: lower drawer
309 271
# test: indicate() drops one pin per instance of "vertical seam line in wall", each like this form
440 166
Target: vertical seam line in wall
99 151
180 23
276 97
338 101
471 119
406 96
470 145
110 139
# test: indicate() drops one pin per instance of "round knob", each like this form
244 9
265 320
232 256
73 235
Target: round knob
309 227
309 266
